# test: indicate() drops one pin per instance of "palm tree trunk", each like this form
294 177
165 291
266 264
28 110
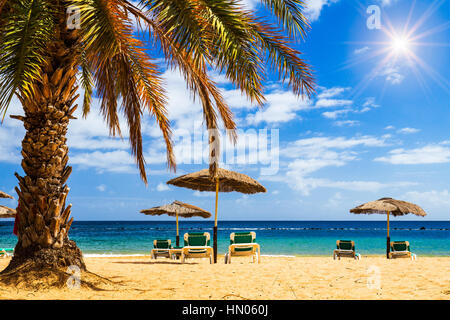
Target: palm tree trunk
44 216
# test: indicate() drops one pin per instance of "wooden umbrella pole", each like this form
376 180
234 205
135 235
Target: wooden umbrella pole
388 239
178 235
215 221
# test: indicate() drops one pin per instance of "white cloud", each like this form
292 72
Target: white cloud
389 128
328 103
313 154
162 187
250 4
11 134
368 104
236 100
314 8
392 74
386 3
318 145
336 113
282 106
408 130
305 184
111 161
10 143
332 92
432 153
204 194
101 188
347 123
361 50
429 199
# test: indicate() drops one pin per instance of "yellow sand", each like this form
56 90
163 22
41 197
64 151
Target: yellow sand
273 278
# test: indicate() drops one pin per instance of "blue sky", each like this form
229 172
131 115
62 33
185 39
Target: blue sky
378 126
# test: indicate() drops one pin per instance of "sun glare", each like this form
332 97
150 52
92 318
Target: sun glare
400 44
398 50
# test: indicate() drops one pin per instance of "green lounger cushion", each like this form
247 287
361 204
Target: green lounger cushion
345 245
162 244
242 237
196 239
399 246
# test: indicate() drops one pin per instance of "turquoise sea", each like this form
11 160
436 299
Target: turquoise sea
275 237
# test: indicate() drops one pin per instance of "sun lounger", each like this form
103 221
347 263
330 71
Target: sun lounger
6 252
345 248
243 244
400 249
196 245
161 248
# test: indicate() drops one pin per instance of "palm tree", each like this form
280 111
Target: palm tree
45 62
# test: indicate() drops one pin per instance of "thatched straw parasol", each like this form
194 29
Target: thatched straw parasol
177 209
223 181
389 206
6 212
5 195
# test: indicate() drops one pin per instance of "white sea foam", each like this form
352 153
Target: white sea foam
277 255
113 255
118 255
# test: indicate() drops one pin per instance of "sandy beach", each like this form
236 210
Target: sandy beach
274 278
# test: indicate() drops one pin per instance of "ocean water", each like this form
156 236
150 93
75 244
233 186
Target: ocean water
430 238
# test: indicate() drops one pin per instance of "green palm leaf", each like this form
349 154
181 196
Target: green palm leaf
27 28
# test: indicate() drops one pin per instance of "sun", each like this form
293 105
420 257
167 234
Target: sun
400 48
400 44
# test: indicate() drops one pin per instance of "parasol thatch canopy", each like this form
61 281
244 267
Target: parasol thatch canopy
5 195
222 181
228 181
393 206
6 212
389 206
177 207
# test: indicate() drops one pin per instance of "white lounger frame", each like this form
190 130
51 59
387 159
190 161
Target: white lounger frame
186 252
255 252
160 252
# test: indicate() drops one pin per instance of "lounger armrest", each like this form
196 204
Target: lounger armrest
160 250
196 247
250 244
187 248
253 245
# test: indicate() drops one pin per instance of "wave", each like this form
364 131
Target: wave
278 255
119 255
113 255
267 228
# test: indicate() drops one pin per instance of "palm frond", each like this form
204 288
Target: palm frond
213 31
86 84
26 31
234 50
290 15
195 74
122 70
284 58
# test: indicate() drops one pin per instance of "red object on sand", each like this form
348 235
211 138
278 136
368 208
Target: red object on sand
16 220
